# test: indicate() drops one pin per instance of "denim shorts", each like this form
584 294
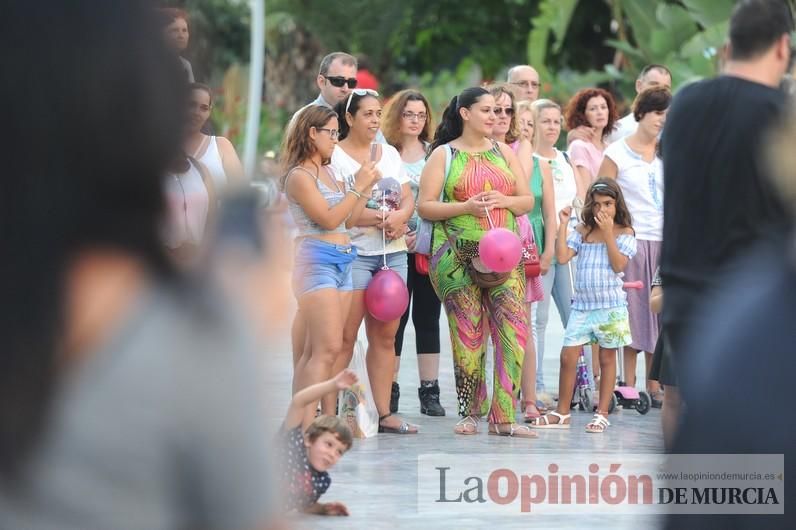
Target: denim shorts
610 328
366 266
311 273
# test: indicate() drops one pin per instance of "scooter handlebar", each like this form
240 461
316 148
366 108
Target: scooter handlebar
633 285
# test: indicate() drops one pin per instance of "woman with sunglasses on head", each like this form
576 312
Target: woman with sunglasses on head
481 184
635 163
377 232
320 206
407 127
216 153
566 187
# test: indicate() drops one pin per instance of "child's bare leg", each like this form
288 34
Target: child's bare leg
630 358
607 378
566 378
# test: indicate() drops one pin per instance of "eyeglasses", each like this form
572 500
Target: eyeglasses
508 111
339 81
527 84
360 92
333 133
412 116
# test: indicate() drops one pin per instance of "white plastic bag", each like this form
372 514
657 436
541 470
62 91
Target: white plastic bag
357 407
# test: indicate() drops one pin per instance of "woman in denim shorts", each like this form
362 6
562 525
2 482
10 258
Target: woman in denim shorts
320 206
377 233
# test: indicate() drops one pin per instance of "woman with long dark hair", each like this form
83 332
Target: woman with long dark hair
216 153
481 184
128 398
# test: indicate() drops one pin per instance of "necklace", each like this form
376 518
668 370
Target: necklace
190 237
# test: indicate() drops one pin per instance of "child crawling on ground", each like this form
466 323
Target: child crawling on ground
307 457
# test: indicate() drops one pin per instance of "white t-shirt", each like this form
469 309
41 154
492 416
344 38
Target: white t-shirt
642 186
565 186
386 195
624 127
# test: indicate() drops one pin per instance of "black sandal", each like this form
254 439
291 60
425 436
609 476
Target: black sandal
403 429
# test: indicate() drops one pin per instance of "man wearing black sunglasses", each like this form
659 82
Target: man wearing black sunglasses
337 77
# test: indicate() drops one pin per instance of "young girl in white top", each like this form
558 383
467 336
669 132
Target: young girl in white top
216 153
379 229
634 163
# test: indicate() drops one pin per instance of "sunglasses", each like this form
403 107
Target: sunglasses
508 111
339 81
360 92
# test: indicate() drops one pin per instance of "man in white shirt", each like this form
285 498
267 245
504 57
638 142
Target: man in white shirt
526 79
652 75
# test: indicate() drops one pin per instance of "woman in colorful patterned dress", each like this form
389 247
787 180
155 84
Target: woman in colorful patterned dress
469 183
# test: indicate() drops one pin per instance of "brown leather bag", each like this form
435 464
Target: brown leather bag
484 280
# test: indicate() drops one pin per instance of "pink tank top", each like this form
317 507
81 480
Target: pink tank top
188 203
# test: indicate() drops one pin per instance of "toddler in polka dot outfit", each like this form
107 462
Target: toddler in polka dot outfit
308 456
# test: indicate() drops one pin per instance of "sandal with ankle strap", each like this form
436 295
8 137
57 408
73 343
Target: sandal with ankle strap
544 422
515 431
405 428
465 424
598 424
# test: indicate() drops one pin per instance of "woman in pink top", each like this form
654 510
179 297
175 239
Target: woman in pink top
594 108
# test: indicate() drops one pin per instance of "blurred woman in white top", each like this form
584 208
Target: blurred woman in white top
216 153
635 163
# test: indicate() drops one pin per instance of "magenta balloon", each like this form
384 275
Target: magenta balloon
500 249
386 296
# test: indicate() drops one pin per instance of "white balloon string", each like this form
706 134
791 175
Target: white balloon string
488 217
383 236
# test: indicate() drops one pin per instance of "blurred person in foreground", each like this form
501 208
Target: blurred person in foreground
745 344
129 395
717 201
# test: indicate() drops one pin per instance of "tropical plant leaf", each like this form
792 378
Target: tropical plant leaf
709 12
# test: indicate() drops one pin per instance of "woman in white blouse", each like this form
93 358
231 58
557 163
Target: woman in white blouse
636 165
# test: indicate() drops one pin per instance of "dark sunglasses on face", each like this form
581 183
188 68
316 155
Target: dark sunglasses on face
339 81
508 111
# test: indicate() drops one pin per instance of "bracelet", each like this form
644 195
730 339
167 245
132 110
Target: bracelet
355 192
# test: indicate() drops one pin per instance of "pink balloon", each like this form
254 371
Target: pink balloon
386 296
500 249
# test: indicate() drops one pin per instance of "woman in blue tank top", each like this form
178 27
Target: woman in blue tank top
320 206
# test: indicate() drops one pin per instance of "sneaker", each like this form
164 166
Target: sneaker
429 400
394 395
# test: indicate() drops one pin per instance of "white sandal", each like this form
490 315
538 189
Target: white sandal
598 424
544 422
515 430
464 423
